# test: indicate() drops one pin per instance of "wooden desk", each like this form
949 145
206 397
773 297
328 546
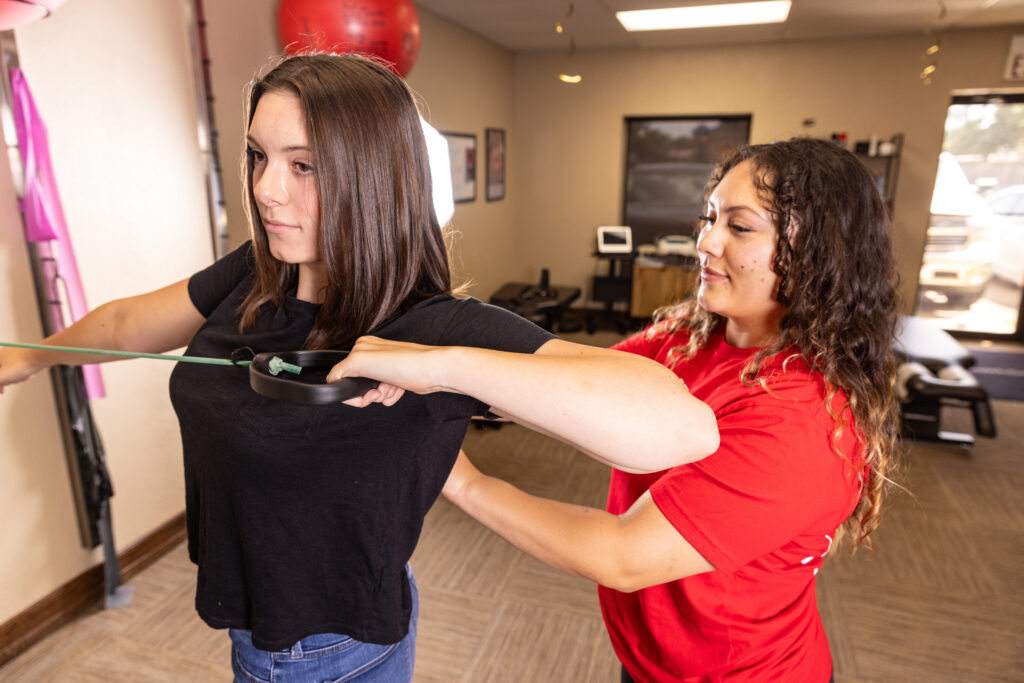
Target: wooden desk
656 285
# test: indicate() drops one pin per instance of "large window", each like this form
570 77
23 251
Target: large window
972 273
668 161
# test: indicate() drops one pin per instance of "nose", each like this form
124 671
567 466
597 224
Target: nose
709 240
269 186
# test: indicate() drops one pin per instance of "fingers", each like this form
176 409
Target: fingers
369 398
391 394
385 394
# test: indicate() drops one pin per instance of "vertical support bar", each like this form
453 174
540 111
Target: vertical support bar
195 24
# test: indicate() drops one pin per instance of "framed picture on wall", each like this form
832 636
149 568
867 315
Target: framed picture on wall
462 156
668 162
495 163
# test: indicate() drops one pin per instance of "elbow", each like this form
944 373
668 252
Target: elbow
111 317
709 439
622 584
694 439
632 572
617 567
701 437
619 576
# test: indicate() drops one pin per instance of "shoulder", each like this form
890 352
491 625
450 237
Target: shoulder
475 323
444 320
210 286
235 264
655 341
785 385
791 416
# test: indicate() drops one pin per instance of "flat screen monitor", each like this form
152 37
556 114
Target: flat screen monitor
614 239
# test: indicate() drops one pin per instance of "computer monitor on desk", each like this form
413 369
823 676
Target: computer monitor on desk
614 239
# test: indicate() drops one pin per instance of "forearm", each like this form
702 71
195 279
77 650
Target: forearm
626 411
571 538
155 322
96 330
633 550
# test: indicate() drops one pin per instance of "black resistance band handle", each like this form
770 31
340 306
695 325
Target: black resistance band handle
310 386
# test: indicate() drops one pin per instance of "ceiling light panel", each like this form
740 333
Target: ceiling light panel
705 16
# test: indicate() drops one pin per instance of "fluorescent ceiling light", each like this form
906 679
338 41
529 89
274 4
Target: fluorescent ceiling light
705 16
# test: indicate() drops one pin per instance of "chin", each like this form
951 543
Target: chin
291 256
703 302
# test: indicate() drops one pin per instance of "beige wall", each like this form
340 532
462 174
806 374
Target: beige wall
124 147
241 37
568 159
465 83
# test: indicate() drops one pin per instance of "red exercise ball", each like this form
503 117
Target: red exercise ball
389 29
15 13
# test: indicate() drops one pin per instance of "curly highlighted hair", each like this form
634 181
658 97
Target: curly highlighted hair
838 281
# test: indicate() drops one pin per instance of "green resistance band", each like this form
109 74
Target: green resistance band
276 364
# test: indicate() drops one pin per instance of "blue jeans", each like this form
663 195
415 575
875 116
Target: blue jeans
327 657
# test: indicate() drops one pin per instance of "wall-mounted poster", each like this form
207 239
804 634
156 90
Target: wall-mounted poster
462 154
495 164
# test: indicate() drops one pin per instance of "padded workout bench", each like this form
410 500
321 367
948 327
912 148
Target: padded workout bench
934 373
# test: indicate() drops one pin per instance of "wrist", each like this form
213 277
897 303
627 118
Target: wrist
35 360
446 368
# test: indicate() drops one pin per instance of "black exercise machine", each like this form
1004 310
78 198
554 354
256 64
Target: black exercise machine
541 303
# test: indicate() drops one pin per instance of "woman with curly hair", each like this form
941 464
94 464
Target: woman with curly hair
707 569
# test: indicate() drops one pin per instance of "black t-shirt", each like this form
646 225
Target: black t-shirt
301 518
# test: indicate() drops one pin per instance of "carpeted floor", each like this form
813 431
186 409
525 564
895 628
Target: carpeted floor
938 600
1001 373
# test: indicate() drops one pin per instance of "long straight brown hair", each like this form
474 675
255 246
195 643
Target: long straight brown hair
380 241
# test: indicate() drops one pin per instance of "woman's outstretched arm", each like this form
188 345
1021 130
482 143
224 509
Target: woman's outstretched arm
621 409
634 550
154 322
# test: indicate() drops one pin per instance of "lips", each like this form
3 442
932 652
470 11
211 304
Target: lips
712 275
276 228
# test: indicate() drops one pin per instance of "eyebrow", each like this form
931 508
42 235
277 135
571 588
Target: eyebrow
744 207
290 148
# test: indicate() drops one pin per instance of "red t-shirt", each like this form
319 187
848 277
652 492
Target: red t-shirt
763 509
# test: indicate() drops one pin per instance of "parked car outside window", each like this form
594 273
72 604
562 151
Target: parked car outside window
960 246
1007 206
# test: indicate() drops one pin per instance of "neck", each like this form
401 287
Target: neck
312 282
746 335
